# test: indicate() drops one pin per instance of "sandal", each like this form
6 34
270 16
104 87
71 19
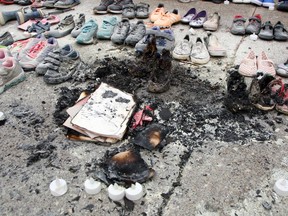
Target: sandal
282 102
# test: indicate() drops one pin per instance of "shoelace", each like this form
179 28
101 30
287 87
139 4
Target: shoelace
36 49
105 24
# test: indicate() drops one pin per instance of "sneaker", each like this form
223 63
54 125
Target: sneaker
17 46
165 40
283 6
37 53
282 69
11 74
199 19
136 33
199 53
22 50
254 24
88 32
268 3
248 66
107 27
183 49
79 23
265 64
212 23
168 19
142 10
121 31
238 25
280 33
102 7
128 11
214 47
257 2
6 39
260 91
266 32
188 17
66 3
64 28
116 7
52 60
157 13
142 44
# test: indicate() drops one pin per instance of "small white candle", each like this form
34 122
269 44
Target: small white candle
92 186
58 187
2 116
135 192
116 192
253 37
281 187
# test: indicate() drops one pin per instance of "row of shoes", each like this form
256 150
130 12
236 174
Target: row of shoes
265 31
267 92
200 19
140 11
200 51
32 51
162 18
59 65
62 4
11 73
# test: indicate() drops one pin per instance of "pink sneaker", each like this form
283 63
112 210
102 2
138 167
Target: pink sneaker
248 66
265 65
38 52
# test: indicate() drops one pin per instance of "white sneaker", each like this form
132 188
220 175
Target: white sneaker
183 49
199 53
214 46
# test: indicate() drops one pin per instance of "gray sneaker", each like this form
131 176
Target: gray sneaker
238 25
142 10
165 40
52 61
128 11
116 7
121 31
254 25
136 34
150 34
183 49
66 3
282 69
64 28
79 23
11 74
6 39
199 53
102 7
280 33
266 32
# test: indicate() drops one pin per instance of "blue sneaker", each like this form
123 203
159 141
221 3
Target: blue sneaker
107 27
257 2
268 3
88 32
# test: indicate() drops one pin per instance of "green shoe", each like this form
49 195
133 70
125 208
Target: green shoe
88 32
106 30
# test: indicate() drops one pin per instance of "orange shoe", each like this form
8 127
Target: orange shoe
168 19
157 13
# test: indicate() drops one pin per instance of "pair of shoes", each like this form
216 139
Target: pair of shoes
251 64
88 32
282 69
238 25
35 52
106 29
79 23
264 3
278 32
131 11
62 4
164 19
265 91
65 27
120 31
165 39
59 65
282 6
11 72
6 39
194 19
112 6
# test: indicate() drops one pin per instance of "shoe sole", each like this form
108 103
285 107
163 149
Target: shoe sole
2 20
268 4
282 73
199 61
217 53
209 29
67 6
265 37
263 107
279 38
21 77
180 57
85 42
100 12
114 11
